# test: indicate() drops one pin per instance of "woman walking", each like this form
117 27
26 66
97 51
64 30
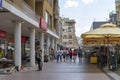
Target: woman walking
58 55
74 55
70 54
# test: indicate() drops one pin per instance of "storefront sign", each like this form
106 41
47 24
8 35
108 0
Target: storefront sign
43 24
3 34
23 39
0 4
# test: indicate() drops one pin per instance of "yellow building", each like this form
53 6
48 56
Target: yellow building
49 10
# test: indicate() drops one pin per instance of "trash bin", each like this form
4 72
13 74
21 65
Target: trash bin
93 59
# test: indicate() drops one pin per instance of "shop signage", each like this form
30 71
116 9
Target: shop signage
115 40
3 34
0 4
43 24
23 39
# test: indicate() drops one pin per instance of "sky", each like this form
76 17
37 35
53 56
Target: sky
84 12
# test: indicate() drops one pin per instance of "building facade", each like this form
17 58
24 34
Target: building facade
117 4
28 21
59 41
69 39
49 10
113 16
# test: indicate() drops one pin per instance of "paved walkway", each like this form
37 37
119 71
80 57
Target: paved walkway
61 71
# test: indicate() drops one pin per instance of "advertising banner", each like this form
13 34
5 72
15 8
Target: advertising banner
3 34
0 4
43 24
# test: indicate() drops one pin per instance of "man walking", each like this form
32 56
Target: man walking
39 57
80 54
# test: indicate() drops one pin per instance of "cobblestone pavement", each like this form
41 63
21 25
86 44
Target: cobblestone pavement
60 71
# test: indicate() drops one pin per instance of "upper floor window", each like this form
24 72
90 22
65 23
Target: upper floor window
64 36
46 16
70 36
70 30
70 43
50 2
11 0
64 30
65 43
48 19
69 27
70 24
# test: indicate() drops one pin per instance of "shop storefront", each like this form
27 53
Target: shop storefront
25 49
3 36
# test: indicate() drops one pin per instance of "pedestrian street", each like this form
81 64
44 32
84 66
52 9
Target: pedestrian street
61 71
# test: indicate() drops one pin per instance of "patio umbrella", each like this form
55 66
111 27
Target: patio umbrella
106 34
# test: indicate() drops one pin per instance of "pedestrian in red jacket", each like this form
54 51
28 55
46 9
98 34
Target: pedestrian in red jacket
70 54
74 55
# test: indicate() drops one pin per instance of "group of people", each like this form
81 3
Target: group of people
68 54
61 55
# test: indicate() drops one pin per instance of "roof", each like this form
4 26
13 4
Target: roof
97 24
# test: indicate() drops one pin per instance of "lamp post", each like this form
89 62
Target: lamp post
107 42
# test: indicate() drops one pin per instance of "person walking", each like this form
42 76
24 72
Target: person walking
58 55
52 55
64 54
67 54
80 54
61 54
70 54
113 61
74 55
39 57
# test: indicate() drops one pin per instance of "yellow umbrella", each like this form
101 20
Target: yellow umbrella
106 34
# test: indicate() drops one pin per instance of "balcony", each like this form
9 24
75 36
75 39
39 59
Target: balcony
25 8
39 0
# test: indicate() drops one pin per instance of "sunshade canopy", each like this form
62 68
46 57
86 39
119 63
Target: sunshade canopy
106 34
